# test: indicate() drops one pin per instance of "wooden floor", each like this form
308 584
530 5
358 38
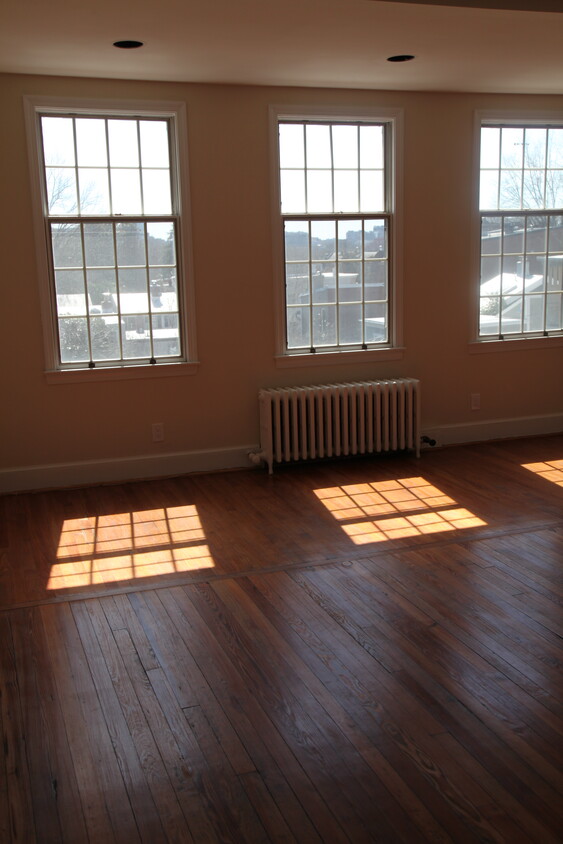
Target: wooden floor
362 651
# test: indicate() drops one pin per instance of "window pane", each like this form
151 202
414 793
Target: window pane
510 189
104 332
156 192
292 145
349 239
350 281
324 282
345 146
102 291
513 230
536 234
58 141
67 245
154 143
555 272
489 315
555 240
136 337
161 243
71 298
554 188
554 316
555 148
490 148
166 335
61 190
318 152
375 281
98 244
298 328
490 274
323 240
94 191
375 323
346 191
319 191
534 185
375 239
123 143
491 228
488 189
512 147
133 297
324 325
296 240
511 315
371 191
126 192
534 147
350 323
91 147
292 187
73 337
130 238
164 293
534 313
371 146
297 284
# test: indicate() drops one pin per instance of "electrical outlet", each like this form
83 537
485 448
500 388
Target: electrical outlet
475 401
157 429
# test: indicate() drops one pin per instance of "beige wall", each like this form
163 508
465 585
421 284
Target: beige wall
230 177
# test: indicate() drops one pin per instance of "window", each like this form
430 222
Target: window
521 213
336 195
112 236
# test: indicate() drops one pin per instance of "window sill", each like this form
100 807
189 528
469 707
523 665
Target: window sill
289 361
482 347
121 373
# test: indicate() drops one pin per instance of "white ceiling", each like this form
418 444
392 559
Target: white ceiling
327 43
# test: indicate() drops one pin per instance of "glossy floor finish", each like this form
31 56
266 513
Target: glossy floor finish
346 652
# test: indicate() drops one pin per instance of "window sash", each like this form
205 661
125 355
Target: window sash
523 298
346 298
343 334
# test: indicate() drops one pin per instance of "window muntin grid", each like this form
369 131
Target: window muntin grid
336 227
113 234
521 202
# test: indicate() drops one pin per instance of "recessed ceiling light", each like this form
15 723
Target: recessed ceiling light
127 45
405 58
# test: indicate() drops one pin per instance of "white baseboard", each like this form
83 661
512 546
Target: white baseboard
494 429
56 476
28 478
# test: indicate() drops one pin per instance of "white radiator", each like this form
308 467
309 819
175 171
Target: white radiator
333 420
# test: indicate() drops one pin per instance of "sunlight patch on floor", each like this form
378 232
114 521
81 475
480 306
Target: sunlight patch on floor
550 470
402 508
129 546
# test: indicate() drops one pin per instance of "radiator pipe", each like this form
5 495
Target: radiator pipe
256 457
428 441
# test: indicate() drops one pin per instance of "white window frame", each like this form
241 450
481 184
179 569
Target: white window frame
34 107
482 344
393 349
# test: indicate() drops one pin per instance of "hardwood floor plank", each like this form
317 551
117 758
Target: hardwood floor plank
234 811
90 623
104 800
21 821
153 770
